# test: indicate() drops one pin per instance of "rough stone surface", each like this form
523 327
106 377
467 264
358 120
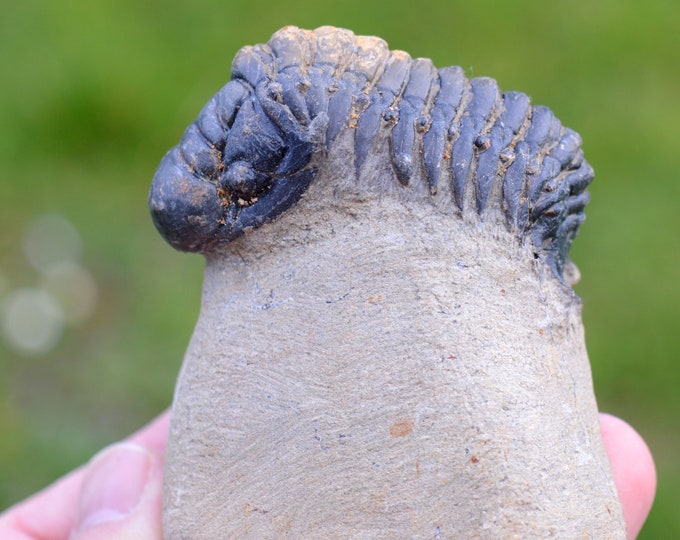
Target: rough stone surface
387 345
371 366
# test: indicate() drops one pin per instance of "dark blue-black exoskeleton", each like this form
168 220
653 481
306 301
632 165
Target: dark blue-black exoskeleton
254 149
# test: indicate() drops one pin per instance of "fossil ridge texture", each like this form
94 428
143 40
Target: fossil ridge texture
388 344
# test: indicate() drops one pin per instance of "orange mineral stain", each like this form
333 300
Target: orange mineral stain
401 428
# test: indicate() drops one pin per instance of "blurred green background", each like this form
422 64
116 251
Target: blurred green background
93 93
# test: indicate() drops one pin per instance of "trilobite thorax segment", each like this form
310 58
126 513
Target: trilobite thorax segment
255 147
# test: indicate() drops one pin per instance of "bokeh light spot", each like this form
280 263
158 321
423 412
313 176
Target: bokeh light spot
31 321
73 286
49 239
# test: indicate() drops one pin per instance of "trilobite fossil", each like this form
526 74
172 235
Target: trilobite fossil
256 146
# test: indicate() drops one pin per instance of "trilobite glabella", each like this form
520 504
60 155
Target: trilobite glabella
387 346
258 143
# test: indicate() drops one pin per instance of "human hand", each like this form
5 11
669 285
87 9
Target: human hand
633 470
118 493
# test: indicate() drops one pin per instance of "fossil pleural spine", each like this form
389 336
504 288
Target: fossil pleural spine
387 346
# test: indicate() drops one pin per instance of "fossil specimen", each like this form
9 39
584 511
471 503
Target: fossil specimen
388 346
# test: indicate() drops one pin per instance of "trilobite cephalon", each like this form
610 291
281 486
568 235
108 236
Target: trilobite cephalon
248 157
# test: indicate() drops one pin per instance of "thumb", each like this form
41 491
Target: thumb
121 495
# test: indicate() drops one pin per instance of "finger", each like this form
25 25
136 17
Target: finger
121 495
632 468
47 515
51 513
154 435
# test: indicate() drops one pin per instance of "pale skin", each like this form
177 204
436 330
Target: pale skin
118 493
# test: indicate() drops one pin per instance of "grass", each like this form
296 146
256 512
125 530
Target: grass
95 93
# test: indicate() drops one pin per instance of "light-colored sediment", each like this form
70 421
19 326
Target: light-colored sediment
369 366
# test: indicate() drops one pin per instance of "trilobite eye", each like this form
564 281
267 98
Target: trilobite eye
390 115
482 143
422 124
244 181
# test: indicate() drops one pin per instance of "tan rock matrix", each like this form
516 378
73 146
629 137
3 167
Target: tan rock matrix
387 345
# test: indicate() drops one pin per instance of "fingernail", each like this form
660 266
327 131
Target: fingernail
113 484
